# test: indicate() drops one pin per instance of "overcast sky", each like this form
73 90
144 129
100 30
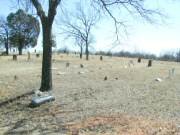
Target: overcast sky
142 37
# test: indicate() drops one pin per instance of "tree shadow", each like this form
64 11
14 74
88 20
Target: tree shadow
18 128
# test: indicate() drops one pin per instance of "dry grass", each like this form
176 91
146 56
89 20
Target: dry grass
122 125
129 98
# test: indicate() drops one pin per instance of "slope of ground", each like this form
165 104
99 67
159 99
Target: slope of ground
130 93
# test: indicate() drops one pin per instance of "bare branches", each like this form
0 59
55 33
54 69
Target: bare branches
52 8
79 26
133 7
39 9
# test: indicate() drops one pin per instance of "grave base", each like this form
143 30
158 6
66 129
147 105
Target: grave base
37 101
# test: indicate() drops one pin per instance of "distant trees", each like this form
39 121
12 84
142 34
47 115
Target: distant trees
178 56
79 24
80 43
24 30
4 34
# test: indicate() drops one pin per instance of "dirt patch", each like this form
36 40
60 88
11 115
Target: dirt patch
122 125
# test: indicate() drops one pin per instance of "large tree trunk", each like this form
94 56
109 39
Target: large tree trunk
20 50
7 47
87 52
46 78
46 21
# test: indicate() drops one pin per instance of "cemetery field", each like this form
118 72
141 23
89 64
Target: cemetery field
107 97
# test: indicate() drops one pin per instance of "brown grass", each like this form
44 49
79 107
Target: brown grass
88 104
122 125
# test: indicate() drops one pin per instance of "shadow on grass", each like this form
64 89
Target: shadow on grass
17 128
20 129
18 118
15 98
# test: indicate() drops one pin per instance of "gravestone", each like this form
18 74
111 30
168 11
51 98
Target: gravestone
29 56
149 63
41 98
37 55
171 72
67 64
15 77
101 58
14 57
81 65
131 63
139 60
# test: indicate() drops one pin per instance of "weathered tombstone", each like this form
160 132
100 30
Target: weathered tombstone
14 57
158 79
67 64
139 60
81 65
101 58
105 78
41 98
131 63
29 56
149 63
15 77
171 72
37 55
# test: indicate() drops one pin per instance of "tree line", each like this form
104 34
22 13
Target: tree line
167 56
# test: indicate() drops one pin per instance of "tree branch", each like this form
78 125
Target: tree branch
52 9
39 9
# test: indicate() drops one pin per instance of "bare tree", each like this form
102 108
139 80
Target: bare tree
80 43
47 22
134 7
80 26
4 34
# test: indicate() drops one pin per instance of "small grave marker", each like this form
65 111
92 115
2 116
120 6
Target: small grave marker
67 64
37 55
15 57
101 58
81 65
150 63
139 60
29 56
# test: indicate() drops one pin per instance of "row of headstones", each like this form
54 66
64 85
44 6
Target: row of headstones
101 58
29 56
139 61
149 62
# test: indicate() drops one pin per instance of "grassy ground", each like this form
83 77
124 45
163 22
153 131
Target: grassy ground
129 102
